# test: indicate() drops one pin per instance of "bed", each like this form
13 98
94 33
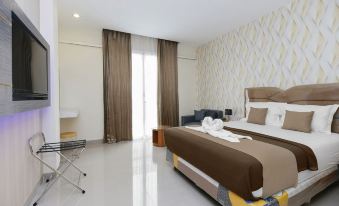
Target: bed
233 176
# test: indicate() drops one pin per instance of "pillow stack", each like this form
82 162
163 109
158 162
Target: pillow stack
303 118
298 121
257 115
322 116
274 111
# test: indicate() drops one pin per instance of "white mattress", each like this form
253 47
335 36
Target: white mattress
324 146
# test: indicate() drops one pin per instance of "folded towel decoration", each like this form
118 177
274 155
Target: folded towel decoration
209 124
215 129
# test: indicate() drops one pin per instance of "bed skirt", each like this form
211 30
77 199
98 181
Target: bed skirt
228 198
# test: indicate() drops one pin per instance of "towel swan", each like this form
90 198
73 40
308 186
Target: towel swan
215 129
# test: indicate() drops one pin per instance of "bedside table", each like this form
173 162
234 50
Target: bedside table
225 119
158 136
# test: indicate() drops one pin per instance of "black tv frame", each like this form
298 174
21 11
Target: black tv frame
7 105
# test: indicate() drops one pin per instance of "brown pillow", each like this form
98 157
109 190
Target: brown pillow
257 115
298 121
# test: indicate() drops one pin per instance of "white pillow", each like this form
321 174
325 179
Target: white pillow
322 117
274 113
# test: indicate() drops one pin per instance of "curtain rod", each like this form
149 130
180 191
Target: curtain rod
99 46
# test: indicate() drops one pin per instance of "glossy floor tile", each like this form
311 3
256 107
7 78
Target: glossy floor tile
136 174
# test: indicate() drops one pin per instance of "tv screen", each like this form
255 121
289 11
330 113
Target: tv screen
29 64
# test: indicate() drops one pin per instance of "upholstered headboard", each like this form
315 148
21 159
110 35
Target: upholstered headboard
314 94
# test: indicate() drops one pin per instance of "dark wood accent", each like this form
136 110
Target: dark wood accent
7 106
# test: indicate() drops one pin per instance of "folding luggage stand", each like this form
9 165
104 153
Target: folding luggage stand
77 147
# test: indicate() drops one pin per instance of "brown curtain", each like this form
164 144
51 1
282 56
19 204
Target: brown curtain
168 104
117 86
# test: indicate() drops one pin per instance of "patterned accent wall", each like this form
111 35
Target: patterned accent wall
297 44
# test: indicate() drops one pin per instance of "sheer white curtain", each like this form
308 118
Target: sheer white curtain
144 85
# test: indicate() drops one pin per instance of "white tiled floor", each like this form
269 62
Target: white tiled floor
137 174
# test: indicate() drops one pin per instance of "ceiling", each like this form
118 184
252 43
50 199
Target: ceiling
188 21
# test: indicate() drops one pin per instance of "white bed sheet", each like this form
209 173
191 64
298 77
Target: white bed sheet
324 146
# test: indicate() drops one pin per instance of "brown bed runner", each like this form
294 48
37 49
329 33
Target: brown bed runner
305 157
279 167
236 170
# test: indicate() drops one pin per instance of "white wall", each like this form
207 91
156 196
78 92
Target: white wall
31 9
187 80
50 115
81 84
19 172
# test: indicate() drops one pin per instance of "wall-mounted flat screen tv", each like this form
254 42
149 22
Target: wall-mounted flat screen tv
29 64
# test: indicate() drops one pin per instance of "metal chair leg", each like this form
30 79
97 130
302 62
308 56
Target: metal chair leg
57 147
69 161
50 184
59 175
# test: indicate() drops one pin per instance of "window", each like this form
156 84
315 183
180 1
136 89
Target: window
144 86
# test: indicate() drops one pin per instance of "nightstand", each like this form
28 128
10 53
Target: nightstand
158 136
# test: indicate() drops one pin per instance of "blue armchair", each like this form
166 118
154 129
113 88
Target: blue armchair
189 120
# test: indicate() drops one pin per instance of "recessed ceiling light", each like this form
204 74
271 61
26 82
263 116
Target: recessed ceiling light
76 15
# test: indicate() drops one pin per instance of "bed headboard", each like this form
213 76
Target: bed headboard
314 94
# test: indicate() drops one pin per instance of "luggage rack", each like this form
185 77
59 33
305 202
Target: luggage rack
62 146
76 147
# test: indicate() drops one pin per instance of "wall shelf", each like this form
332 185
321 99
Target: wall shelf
68 113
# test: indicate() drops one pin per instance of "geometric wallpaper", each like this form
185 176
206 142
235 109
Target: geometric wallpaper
297 44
